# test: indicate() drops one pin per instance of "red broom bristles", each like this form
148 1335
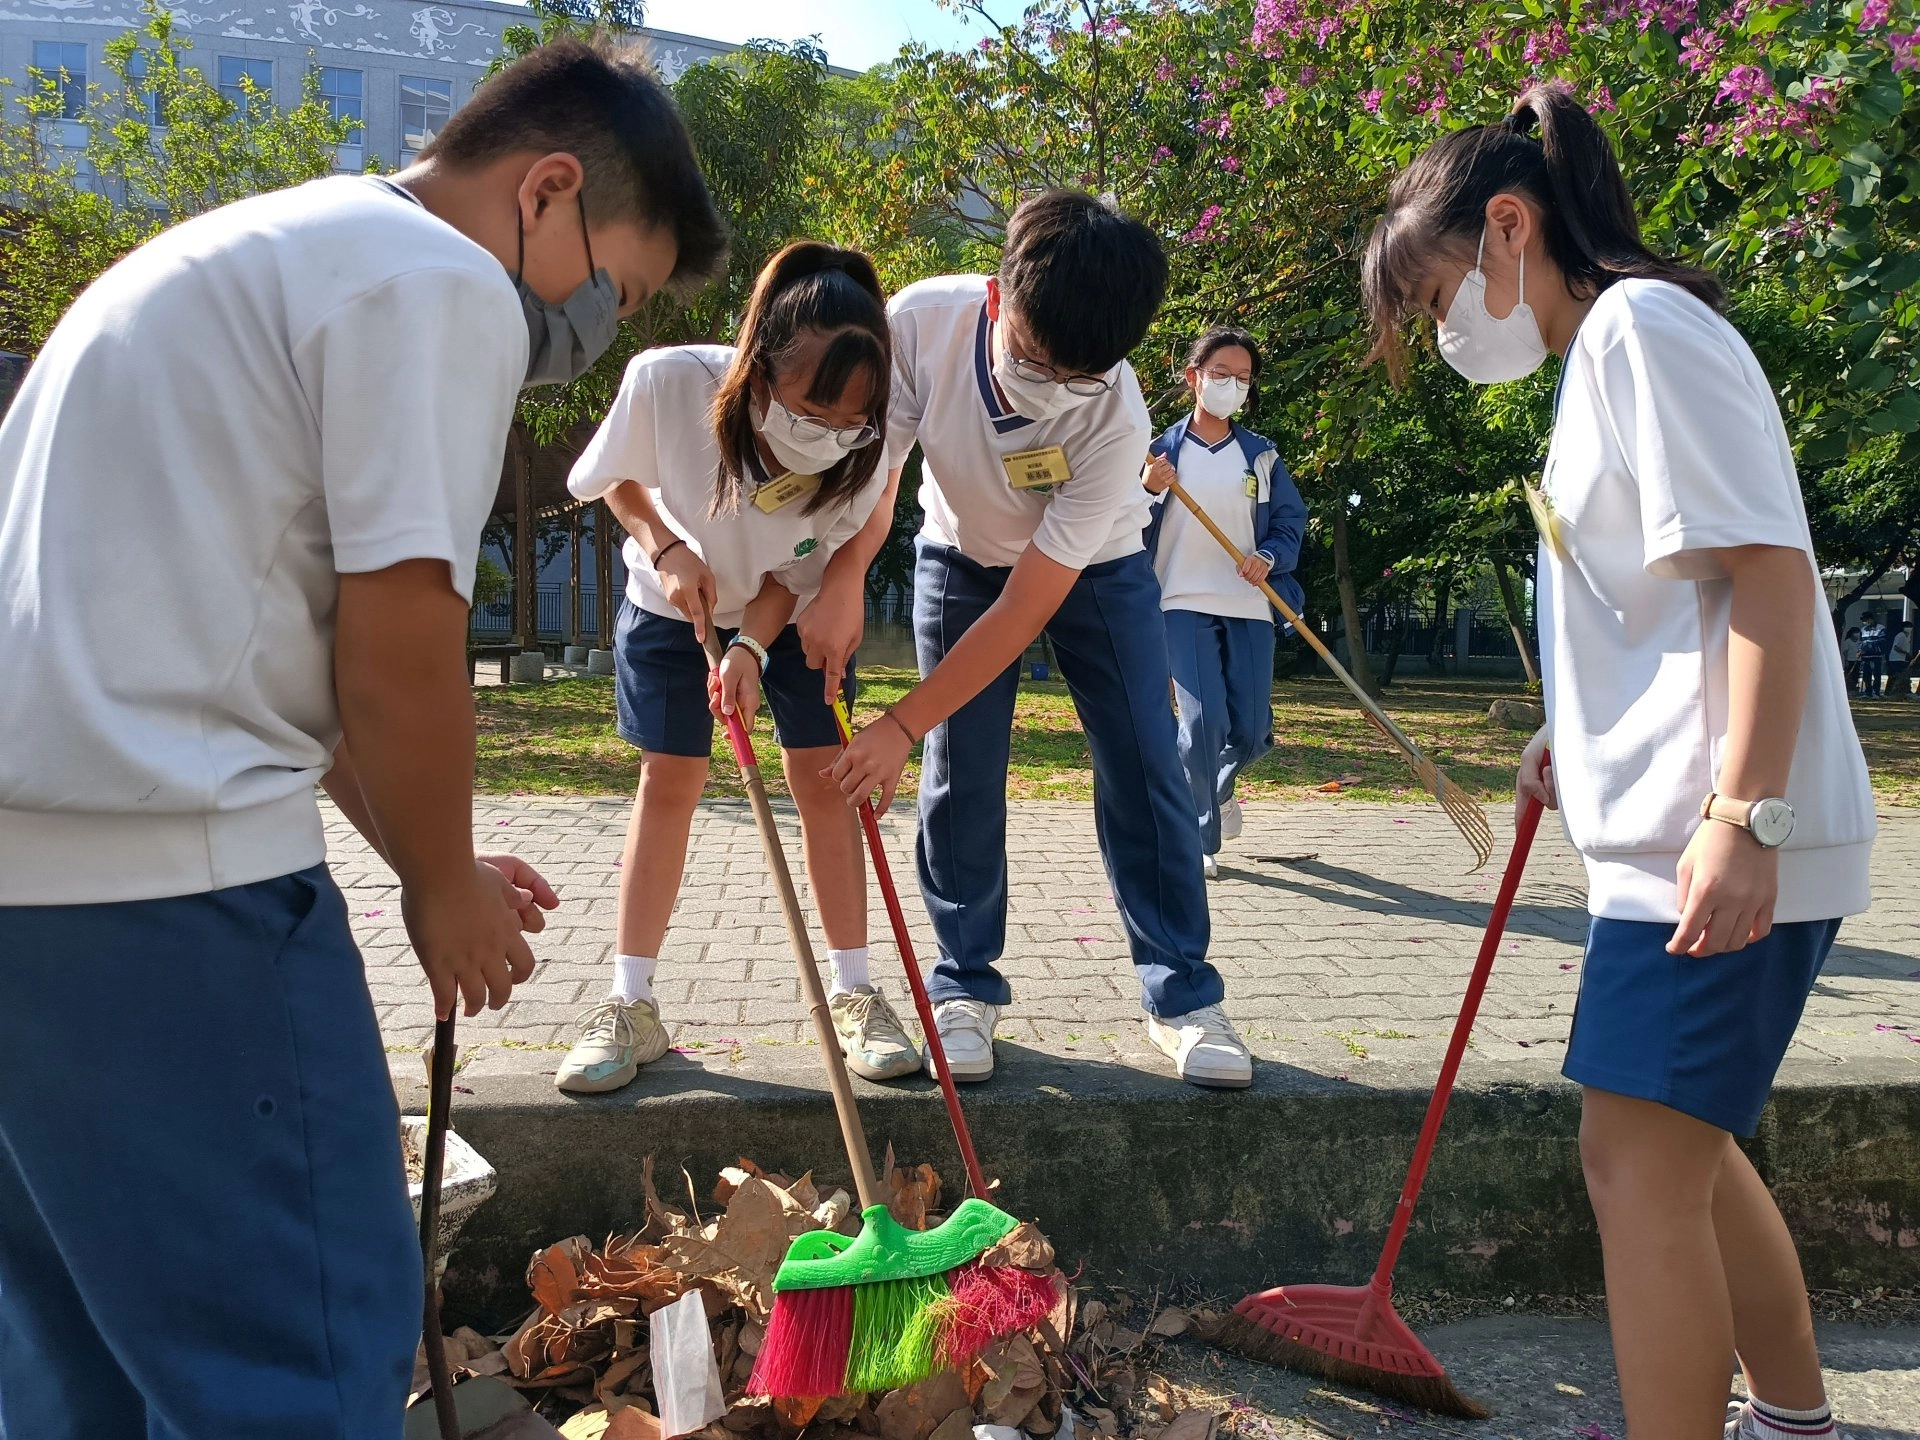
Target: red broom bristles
804 1352
990 1302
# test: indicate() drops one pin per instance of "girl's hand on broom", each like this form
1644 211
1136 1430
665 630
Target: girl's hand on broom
532 894
872 760
466 934
1535 780
735 687
689 586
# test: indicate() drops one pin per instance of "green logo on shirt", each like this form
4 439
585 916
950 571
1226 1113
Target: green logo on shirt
805 547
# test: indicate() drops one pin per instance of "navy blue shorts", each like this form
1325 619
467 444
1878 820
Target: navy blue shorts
660 687
1704 1037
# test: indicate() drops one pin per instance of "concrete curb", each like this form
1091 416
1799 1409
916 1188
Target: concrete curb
1135 1175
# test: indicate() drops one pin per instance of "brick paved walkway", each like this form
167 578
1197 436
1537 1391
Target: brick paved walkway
1344 930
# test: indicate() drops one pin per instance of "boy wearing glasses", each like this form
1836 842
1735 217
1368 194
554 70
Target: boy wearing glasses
1034 432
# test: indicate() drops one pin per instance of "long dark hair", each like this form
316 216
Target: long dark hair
1549 150
808 294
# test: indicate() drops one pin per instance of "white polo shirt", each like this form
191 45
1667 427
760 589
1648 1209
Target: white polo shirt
1668 444
659 435
944 396
309 382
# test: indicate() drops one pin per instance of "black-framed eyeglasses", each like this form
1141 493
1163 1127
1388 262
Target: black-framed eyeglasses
1084 385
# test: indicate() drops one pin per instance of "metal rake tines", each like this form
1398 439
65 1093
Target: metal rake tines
1461 808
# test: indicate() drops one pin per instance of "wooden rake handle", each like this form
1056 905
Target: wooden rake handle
1301 628
838 1082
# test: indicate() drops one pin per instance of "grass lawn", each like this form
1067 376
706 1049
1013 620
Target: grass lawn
558 739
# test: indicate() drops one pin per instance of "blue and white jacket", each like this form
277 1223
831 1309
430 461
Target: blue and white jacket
1279 514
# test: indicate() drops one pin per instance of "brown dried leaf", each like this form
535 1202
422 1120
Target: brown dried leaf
1191 1425
1103 1420
797 1414
1024 1247
1160 1397
1092 1313
1170 1323
957 1426
748 1413
1205 1324
553 1275
614 1380
740 1251
834 1211
633 1423
912 1194
588 1424
752 1333
1016 1381
662 1219
914 1412
804 1193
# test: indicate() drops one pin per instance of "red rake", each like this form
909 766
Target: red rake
1351 1333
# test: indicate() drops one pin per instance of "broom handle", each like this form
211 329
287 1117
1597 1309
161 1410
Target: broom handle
1523 832
883 873
841 1087
1300 627
440 1065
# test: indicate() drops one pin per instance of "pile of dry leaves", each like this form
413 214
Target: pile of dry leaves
585 1344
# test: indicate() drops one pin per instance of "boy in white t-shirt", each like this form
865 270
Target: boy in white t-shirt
296 407
1703 755
1017 388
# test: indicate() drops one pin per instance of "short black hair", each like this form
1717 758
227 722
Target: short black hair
607 109
1085 279
1223 337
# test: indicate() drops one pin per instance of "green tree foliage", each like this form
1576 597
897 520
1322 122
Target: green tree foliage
66 217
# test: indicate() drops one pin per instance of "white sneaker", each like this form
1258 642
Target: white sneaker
966 1034
1204 1047
1209 867
615 1041
872 1038
1231 820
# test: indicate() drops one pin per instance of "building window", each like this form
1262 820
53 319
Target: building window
152 111
63 65
342 92
424 107
237 75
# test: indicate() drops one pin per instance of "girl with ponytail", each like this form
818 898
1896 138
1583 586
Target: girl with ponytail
1702 752
737 472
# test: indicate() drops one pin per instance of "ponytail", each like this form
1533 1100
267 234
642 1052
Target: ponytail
809 295
1551 151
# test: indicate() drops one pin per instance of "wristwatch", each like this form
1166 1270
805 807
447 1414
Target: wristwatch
1770 822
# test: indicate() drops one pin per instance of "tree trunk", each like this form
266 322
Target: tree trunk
603 571
526 598
1396 642
1867 582
1357 664
573 578
1442 593
1516 620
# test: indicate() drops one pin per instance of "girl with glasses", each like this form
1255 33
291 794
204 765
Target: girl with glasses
736 472
1219 626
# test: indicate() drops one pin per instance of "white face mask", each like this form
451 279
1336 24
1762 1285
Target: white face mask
1223 399
1035 399
1485 350
804 445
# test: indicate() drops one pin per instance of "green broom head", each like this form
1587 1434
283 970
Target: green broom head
901 1299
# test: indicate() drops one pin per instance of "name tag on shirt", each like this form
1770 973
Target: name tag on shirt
1253 486
778 494
1037 469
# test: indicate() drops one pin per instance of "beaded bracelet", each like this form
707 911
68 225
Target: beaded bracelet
753 647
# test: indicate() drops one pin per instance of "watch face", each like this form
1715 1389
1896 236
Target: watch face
1772 822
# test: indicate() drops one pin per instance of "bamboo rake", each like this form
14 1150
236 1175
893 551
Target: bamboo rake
1467 816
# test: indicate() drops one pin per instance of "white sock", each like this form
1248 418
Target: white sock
1774 1422
633 978
849 969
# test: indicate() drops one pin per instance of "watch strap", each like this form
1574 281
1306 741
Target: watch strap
1729 812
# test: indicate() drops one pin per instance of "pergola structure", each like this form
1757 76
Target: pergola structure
533 488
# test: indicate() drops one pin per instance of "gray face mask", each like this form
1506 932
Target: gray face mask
564 340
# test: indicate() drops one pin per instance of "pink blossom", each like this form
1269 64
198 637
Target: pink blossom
1371 99
1163 72
1699 48
1308 75
1550 43
1602 101
1273 95
1906 50
1436 103
1205 229
1821 92
1874 14
1218 126
1746 85
1162 152
988 46
1230 164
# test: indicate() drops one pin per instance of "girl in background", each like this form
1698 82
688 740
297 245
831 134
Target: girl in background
1702 751
1219 626
736 472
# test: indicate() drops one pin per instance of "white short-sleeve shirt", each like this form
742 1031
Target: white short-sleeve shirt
309 382
1668 444
1195 572
944 396
659 435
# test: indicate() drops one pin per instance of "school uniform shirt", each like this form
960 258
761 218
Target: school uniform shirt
658 435
1668 444
1195 572
944 396
302 384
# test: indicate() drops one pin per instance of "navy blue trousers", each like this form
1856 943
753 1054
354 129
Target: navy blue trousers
1223 683
204 1226
1111 645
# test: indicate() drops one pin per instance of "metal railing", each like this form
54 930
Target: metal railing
495 621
